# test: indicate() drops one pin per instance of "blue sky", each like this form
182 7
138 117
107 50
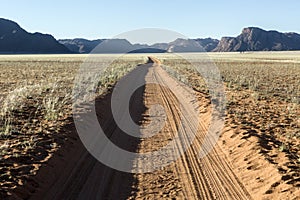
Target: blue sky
105 19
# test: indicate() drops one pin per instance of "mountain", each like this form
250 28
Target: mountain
256 39
14 39
208 44
185 45
122 46
80 45
163 46
114 46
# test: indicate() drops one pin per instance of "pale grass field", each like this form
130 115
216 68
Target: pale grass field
36 104
262 90
263 99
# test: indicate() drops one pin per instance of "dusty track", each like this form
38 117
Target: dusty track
190 177
74 174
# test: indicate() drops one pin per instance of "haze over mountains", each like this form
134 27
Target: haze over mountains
14 39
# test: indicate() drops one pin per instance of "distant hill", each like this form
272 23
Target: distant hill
208 44
80 45
14 39
114 46
256 39
188 45
185 45
122 45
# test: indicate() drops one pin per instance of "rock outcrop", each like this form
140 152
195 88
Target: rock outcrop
256 39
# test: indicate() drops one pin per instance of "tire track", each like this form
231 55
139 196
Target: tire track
210 177
188 178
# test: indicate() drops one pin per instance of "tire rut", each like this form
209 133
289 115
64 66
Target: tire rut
208 178
190 177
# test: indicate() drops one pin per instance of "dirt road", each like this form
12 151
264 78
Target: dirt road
74 174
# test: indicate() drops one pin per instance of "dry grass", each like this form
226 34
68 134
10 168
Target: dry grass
262 93
36 102
263 100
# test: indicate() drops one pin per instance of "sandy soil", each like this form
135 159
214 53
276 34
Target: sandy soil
228 172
